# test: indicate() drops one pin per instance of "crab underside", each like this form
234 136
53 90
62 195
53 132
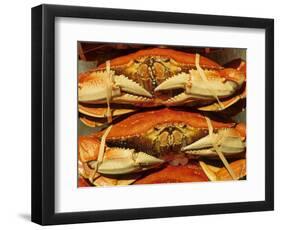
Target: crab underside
145 140
145 147
159 77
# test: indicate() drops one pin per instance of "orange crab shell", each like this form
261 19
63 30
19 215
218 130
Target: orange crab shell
88 148
182 58
141 122
174 174
239 167
178 56
185 62
82 182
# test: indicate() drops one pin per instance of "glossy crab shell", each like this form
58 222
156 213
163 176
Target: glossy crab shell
143 140
155 77
167 130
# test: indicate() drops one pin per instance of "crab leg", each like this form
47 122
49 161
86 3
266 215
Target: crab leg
226 103
108 181
101 112
222 174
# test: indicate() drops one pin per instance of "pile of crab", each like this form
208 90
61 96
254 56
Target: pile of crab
160 118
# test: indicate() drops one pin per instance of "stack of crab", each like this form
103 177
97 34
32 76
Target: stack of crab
156 110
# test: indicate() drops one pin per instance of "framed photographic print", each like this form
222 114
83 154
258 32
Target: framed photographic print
142 114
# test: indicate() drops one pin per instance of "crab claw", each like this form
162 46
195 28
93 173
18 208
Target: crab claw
228 141
176 82
210 87
94 88
130 86
115 160
123 161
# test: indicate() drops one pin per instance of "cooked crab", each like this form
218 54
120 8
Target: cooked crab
141 141
169 130
155 77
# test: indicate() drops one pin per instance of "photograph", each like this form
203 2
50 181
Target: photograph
171 113
154 114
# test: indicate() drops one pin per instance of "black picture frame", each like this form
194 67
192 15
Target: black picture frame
43 113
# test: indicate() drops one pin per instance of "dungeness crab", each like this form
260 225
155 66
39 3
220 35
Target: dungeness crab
142 141
158 77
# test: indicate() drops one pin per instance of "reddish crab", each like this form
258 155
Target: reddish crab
141 141
157 77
